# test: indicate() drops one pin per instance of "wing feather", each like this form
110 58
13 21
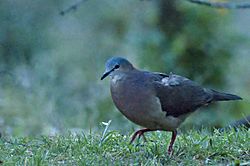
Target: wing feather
179 95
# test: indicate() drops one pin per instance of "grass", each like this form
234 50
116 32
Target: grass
112 148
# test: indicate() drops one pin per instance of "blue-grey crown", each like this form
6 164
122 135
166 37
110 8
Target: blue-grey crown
118 61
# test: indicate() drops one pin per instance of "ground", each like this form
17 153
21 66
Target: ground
112 148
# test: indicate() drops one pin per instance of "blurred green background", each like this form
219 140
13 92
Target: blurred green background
50 65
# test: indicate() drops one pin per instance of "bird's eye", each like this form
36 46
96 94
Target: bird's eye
117 66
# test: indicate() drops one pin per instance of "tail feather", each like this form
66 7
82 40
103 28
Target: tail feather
220 96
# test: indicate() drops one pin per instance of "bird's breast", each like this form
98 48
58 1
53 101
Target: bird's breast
129 96
137 101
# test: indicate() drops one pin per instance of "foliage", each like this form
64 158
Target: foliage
50 64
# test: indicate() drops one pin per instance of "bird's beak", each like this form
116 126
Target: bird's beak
105 74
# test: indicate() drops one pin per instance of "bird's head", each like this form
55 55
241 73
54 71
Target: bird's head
115 65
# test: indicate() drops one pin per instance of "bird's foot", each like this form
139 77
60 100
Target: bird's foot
139 133
170 147
170 150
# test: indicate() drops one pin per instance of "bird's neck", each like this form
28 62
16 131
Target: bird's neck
118 76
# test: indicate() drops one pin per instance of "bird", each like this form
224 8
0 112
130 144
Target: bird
154 100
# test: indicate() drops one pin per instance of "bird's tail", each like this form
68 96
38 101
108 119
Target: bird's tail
220 96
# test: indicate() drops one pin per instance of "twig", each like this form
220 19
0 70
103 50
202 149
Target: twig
72 7
226 5
242 123
105 131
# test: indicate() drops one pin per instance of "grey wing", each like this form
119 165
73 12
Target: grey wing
179 95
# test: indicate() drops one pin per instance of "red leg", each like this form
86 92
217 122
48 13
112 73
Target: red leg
139 133
170 148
